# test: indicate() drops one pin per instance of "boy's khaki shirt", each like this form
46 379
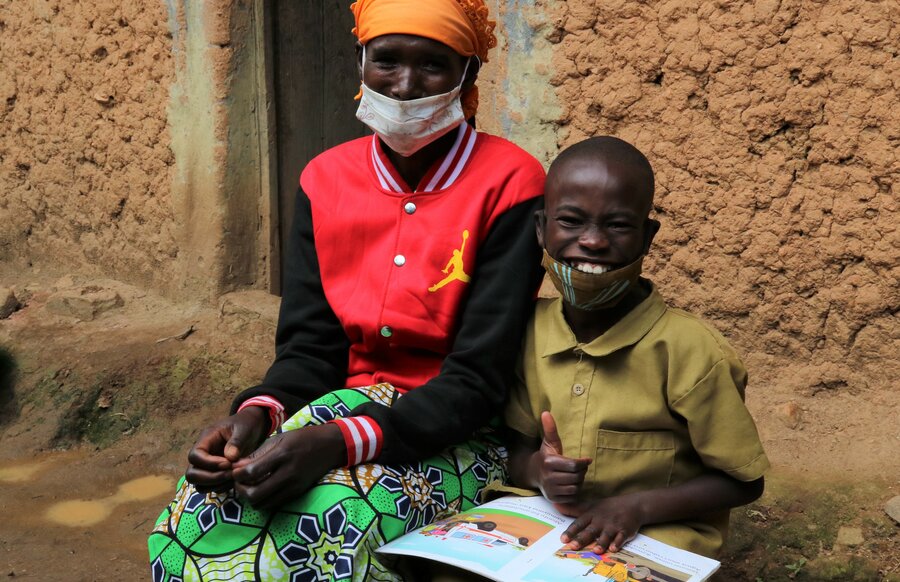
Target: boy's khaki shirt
655 401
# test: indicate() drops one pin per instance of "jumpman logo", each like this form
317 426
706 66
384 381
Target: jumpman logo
455 270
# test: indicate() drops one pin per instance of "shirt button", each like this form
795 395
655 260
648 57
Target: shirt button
409 208
386 331
399 260
578 389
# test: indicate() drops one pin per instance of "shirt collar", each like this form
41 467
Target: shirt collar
442 174
626 332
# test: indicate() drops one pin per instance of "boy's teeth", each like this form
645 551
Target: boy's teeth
591 268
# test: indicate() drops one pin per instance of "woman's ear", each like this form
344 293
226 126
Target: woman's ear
471 73
359 58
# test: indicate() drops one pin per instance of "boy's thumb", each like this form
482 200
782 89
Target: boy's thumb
551 435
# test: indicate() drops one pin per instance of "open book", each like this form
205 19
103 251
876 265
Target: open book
514 539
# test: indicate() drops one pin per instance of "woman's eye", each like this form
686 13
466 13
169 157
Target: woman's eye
383 63
433 66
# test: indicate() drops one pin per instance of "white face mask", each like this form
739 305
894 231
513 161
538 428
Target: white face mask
408 126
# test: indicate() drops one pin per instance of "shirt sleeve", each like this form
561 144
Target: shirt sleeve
721 429
311 348
472 385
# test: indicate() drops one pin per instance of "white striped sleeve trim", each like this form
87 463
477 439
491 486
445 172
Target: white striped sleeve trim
275 408
363 436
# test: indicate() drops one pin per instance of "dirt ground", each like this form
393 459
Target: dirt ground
101 408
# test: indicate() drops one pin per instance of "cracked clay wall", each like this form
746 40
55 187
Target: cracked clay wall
773 127
85 163
130 144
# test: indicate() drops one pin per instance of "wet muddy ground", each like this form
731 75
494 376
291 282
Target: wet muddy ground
68 518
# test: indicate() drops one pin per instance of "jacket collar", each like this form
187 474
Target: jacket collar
440 176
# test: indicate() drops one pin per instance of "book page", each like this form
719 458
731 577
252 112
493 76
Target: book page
490 540
517 539
641 560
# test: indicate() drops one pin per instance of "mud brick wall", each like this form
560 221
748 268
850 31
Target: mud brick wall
84 147
773 128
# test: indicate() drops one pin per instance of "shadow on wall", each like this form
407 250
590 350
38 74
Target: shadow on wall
8 369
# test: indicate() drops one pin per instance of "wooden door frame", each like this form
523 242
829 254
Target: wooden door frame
269 228
328 67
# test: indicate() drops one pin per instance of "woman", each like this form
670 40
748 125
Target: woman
411 274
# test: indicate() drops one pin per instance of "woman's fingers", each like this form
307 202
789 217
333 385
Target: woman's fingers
265 494
247 428
208 480
207 452
207 468
262 463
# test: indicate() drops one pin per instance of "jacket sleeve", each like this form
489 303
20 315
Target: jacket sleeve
311 348
472 385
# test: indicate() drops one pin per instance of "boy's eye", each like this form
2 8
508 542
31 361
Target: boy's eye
620 225
568 221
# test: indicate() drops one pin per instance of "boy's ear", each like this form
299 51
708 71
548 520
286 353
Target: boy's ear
651 227
540 221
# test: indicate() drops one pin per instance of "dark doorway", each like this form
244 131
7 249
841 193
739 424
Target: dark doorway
314 78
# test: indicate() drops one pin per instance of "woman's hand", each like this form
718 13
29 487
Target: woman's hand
605 524
288 464
212 457
558 477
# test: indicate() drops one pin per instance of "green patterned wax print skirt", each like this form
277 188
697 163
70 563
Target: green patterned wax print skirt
332 531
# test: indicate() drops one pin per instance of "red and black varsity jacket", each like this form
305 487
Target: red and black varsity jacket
429 290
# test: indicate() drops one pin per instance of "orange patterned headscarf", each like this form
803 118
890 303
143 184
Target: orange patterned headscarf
463 25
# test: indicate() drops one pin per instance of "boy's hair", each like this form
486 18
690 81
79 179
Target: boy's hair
606 149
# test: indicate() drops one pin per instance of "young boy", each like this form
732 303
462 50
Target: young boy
653 435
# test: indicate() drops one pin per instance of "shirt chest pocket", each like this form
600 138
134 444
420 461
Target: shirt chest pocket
635 461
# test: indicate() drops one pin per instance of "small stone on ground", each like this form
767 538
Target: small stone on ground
8 302
790 414
892 508
849 536
84 303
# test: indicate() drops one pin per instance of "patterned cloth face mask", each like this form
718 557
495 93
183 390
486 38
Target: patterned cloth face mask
592 291
408 126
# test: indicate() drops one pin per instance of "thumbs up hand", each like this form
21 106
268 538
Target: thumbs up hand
559 477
